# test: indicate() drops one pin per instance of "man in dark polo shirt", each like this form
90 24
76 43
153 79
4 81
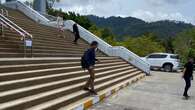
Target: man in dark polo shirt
89 60
187 75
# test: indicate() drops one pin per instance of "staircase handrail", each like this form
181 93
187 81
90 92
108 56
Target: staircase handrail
27 42
4 11
12 27
16 27
28 11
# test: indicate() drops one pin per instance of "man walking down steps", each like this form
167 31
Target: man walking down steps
88 62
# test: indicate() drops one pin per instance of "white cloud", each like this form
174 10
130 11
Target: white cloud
97 7
166 2
150 10
80 2
150 16
80 9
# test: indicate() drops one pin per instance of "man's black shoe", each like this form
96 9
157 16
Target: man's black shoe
93 92
75 43
186 97
86 89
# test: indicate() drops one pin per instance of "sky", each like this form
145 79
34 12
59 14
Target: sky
148 10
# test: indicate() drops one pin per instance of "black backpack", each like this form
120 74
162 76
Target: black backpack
84 64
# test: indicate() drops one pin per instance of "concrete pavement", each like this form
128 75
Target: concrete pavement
161 91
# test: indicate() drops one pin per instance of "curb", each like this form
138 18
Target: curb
94 100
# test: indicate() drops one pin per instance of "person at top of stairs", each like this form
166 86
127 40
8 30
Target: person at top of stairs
60 25
76 33
89 60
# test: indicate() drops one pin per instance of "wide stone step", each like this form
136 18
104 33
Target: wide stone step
54 97
62 51
33 26
27 91
40 45
15 46
7 47
18 55
43 37
23 67
20 18
26 61
102 94
9 50
35 30
36 41
38 35
26 78
62 101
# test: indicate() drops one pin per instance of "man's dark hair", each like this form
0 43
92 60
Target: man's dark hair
94 43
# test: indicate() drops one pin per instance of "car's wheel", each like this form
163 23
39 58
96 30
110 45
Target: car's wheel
151 68
168 68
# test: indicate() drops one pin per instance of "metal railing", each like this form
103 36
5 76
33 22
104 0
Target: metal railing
4 12
28 11
26 37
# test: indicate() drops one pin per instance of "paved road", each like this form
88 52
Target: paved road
161 91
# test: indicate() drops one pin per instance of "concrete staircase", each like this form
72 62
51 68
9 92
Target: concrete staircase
53 83
53 78
46 42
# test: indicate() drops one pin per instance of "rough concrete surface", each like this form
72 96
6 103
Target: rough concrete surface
161 91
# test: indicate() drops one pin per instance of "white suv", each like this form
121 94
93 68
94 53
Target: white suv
167 62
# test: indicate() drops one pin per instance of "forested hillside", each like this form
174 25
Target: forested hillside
130 26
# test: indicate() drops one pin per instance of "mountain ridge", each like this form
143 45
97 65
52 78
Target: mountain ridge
130 26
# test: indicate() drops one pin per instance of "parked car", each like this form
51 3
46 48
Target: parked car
164 61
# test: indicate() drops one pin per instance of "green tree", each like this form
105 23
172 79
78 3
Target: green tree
81 20
168 44
143 45
184 44
103 33
95 30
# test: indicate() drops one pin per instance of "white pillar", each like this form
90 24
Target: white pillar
40 6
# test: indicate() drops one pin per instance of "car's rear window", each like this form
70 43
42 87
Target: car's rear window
157 56
174 56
